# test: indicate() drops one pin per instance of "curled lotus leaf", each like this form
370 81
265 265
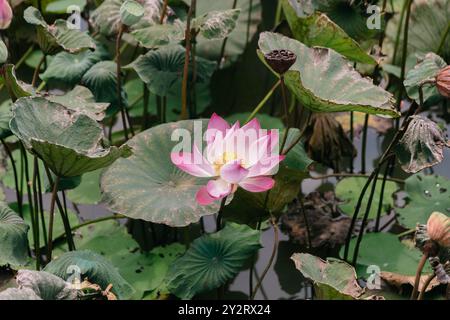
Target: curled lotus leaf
422 145
3 52
70 143
323 81
58 36
16 87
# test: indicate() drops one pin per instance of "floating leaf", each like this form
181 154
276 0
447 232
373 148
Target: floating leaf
81 100
427 69
62 6
59 36
216 24
92 266
46 285
16 87
422 145
69 68
348 190
88 192
53 132
101 79
333 279
3 52
246 27
13 237
323 81
426 194
160 69
212 260
387 252
316 29
148 186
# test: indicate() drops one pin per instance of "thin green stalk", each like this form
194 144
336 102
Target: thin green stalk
37 70
399 30
351 138
444 36
146 114
286 111
37 246
52 217
404 52
224 43
278 13
163 12
263 101
344 174
16 178
118 85
249 19
41 205
425 286
380 201
364 144
219 214
420 266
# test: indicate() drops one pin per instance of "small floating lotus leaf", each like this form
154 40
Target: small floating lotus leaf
92 266
131 12
348 190
57 37
160 69
69 143
13 237
324 81
46 285
426 70
426 194
17 88
314 28
215 25
422 145
148 186
3 52
81 100
212 260
333 279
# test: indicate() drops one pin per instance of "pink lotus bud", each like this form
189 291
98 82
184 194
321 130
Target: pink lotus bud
6 14
443 82
438 228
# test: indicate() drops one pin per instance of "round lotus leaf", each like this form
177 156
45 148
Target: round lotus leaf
69 143
148 186
131 12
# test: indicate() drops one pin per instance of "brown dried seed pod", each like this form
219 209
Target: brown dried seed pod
443 82
280 60
438 228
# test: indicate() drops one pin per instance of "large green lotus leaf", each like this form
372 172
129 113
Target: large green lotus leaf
160 69
88 192
57 37
92 266
212 260
324 81
5 117
69 143
61 6
69 68
144 271
106 18
348 190
3 52
426 69
316 29
333 279
426 194
215 25
246 27
101 79
134 92
46 285
80 99
148 186
13 237
428 24
16 87
159 35
386 251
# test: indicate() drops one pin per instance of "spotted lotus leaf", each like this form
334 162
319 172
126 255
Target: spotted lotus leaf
217 24
70 143
323 81
422 145
58 36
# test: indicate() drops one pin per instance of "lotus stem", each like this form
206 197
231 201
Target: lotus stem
145 115
163 12
184 84
444 36
380 202
404 50
16 178
263 101
286 111
426 285
41 205
52 217
37 246
219 214
364 144
344 175
351 138
224 43
37 70
118 85
300 136
399 30
28 186
420 266
271 259
249 19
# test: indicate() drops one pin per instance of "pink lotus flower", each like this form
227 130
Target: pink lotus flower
6 14
235 157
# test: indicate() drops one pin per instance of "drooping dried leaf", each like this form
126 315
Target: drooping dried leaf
398 280
380 124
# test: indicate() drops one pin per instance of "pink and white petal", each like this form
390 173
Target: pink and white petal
257 184
233 172
266 166
186 161
252 125
203 197
218 188
274 141
216 124
258 149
